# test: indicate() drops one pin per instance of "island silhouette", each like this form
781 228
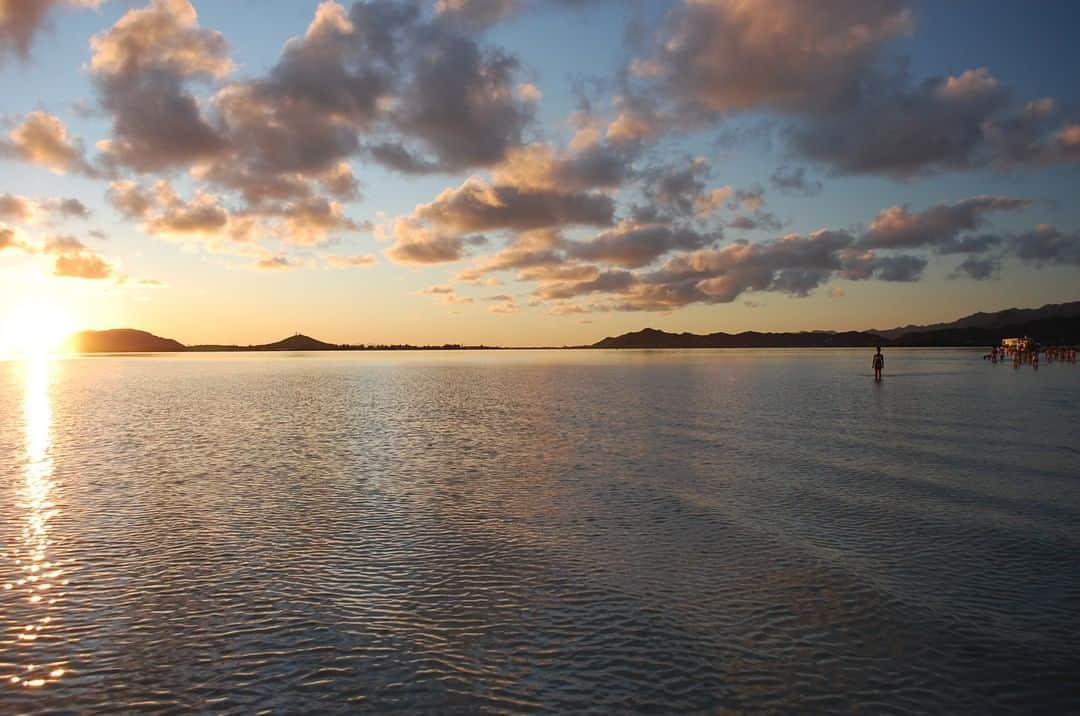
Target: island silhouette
1052 324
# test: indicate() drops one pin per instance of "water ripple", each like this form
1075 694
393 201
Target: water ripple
537 532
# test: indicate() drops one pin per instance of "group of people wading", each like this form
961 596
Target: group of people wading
1029 354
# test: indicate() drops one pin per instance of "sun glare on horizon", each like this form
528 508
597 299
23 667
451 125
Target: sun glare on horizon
38 325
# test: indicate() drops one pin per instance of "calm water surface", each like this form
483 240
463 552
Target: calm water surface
559 531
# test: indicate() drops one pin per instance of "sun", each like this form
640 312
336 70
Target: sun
36 325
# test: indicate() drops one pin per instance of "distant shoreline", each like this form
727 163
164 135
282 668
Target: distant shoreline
1053 324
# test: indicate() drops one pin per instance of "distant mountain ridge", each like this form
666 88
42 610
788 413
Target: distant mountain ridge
653 338
1007 317
1050 324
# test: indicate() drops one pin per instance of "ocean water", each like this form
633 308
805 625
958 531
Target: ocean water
623 531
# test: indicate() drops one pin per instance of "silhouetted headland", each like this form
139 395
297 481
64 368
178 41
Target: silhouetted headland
122 340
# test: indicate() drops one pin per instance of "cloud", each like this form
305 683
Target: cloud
73 260
394 155
632 245
475 13
415 243
42 138
1046 244
529 250
1067 140
24 210
67 208
308 222
713 200
763 220
789 55
349 261
20 21
141 67
598 165
9 239
129 199
900 268
460 101
638 119
977 268
479 206
203 216
504 307
902 131
679 189
429 97
16 208
276 263
824 70
447 295
793 181
900 228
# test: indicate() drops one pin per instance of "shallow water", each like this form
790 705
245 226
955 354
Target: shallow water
540 530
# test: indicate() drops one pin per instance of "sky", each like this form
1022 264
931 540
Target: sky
533 172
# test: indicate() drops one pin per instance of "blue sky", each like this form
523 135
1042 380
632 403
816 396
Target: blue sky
529 216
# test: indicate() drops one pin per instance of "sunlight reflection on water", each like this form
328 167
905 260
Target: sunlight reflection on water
38 576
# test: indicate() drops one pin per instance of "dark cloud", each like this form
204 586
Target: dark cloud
971 244
481 14
790 55
631 245
793 181
899 268
142 66
1047 244
68 208
823 68
474 14
396 156
378 68
900 228
460 100
21 20
902 131
759 220
977 268
677 189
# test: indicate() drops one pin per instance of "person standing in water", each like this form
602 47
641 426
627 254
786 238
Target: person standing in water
879 364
